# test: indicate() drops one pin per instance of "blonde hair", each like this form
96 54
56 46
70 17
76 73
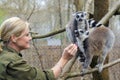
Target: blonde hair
12 26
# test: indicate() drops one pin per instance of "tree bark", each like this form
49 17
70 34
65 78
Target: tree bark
78 4
100 9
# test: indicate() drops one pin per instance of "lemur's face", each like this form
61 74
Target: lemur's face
80 16
82 34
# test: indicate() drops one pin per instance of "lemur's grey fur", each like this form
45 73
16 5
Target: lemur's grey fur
75 28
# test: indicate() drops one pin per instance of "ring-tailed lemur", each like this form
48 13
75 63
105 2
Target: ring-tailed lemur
75 28
98 42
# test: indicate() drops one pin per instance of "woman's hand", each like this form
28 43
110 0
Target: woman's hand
69 52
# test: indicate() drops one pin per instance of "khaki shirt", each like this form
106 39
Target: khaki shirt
13 67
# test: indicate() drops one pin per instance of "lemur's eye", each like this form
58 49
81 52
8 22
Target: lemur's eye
85 13
87 33
82 15
77 16
81 31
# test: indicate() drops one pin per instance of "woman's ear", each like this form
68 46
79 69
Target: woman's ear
13 38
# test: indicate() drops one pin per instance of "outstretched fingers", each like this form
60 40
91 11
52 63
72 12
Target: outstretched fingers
71 49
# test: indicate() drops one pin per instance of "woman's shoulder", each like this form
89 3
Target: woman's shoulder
9 56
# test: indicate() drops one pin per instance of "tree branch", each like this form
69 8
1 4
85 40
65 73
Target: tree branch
31 12
76 74
49 34
110 13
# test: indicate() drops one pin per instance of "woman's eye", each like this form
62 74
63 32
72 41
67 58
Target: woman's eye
27 34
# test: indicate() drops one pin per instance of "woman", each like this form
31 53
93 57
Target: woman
15 37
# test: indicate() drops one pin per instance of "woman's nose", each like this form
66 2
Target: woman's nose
30 37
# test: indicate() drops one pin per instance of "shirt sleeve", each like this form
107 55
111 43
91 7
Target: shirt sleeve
20 70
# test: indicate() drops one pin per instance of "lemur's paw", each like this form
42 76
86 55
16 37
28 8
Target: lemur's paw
100 67
83 71
97 65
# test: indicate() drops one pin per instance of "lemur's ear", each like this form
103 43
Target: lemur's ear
73 14
91 15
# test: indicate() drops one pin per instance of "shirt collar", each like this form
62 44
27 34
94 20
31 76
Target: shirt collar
10 49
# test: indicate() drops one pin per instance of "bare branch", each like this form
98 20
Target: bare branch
76 74
31 12
38 54
49 34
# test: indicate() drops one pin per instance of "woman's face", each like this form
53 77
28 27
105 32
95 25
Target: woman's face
23 42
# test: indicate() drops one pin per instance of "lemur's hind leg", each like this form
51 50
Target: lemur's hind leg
87 62
101 59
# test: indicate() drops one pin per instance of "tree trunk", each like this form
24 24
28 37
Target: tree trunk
100 9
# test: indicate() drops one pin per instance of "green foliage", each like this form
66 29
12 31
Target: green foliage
2 15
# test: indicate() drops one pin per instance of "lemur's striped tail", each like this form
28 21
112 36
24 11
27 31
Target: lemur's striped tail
93 23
